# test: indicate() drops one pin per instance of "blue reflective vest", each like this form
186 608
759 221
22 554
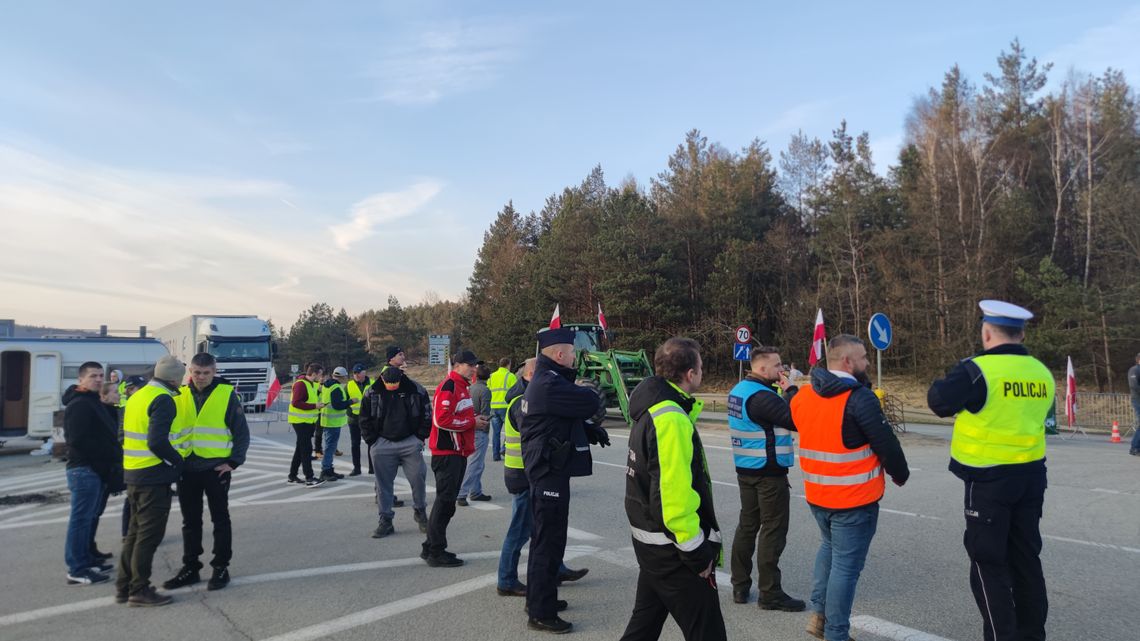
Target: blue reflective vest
749 440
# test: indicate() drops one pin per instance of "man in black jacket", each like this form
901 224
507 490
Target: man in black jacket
555 446
760 424
395 418
94 468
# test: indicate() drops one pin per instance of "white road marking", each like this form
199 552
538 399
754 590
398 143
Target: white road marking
5 482
582 535
1095 544
891 630
261 440
914 514
19 508
484 507
59 480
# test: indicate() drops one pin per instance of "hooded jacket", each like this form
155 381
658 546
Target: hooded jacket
554 440
668 491
92 436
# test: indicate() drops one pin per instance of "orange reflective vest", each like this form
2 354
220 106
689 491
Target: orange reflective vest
835 477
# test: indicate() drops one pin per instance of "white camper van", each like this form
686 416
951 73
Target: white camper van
34 372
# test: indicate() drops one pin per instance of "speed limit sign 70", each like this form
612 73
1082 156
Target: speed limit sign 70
743 334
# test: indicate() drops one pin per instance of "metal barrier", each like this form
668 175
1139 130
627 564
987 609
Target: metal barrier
1096 412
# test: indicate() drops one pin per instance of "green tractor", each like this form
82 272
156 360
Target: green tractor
613 372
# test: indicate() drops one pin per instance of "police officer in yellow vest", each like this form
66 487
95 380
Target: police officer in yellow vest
218 439
153 439
1001 397
334 415
500 381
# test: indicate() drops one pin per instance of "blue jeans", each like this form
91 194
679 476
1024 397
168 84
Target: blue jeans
332 437
473 481
87 491
497 418
845 538
1136 435
518 535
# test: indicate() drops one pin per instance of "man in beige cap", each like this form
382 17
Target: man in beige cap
153 446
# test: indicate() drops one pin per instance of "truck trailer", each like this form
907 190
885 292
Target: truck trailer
242 345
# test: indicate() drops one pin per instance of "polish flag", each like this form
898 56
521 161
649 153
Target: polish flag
274 390
819 337
556 319
1071 394
602 318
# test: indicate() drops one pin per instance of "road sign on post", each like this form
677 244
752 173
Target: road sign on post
742 352
743 334
881 334
439 348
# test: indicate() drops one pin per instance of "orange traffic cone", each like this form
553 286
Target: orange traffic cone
1115 433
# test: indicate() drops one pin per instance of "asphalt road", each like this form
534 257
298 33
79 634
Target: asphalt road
305 566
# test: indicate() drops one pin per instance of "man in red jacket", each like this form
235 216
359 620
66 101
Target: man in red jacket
452 440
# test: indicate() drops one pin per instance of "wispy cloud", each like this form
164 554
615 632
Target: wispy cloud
382 208
445 60
1111 45
805 115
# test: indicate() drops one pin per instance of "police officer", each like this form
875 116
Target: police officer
1001 397
555 446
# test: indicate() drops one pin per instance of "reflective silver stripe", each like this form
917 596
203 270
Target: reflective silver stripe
832 457
213 445
693 543
667 409
135 435
853 479
512 439
652 538
139 453
783 449
714 536
220 431
749 451
779 431
759 434
303 413
583 448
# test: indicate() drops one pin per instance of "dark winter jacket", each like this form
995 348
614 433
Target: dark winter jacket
396 415
235 420
92 436
554 439
863 421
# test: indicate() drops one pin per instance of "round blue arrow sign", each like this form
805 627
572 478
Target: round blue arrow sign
879 329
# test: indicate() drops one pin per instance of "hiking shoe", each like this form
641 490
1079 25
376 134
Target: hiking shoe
572 575
815 625
293 479
384 529
339 453
102 568
219 579
328 476
100 556
121 595
355 472
421 519
553 626
462 501
517 590
784 603
444 560
398 503
186 576
314 482
148 598
740 595
479 497
86 576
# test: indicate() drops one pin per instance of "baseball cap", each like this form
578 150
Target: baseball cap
467 357
340 371
359 367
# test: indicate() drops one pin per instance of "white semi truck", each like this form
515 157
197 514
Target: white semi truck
243 346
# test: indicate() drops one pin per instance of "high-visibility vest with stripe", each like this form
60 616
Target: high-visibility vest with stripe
835 477
329 416
122 393
512 440
210 437
499 383
136 425
749 440
1010 428
355 393
312 397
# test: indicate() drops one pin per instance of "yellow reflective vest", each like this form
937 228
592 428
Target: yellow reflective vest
209 436
1010 428
501 380
297 415
512 440
355 393
329 416
136 425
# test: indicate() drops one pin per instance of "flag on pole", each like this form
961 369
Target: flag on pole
1070 395
602 318
556 319
274 390
818 338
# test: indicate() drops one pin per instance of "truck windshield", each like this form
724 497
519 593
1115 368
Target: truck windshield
240 350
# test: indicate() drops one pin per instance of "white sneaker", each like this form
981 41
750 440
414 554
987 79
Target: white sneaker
86 576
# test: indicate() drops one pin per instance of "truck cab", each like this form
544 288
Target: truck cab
244 350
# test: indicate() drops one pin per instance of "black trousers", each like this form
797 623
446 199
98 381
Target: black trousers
681 593
150 507
764 515
318 438
303 452
1003 539
216 488
448 470
550 516
354 432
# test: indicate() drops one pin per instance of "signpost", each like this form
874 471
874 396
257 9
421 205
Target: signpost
881 333
742 351
439 349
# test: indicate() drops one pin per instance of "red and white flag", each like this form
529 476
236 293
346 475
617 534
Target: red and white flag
1070 394
556 319
602 318
818 338
274 390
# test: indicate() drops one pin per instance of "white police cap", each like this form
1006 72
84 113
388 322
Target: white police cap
999 312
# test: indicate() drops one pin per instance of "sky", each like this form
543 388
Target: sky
165 159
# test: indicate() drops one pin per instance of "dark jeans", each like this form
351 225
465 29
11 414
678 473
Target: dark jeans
150 507
691 600
303 452
448 470
1003 540
550 515
87 497
764 508
216 488
354 433
497 418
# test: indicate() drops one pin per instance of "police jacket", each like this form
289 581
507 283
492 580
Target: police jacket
554 440
668 492
964 388
395 415
515 479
